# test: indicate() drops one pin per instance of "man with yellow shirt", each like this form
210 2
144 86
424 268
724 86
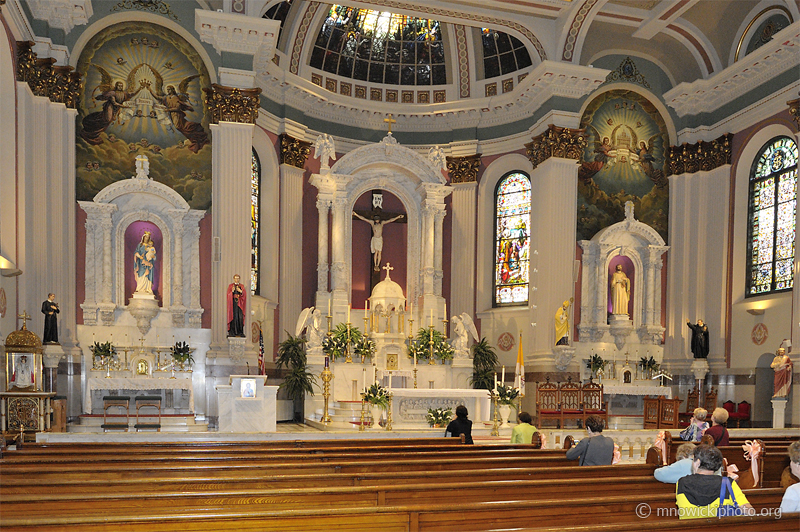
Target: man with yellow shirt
698 495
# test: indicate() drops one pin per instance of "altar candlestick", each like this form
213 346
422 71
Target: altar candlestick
503 379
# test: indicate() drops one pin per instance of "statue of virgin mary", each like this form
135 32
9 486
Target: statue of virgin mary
144 261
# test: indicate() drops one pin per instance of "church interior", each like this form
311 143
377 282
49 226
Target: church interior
264 219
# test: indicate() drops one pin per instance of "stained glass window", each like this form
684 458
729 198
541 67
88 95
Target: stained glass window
771 215
255 196
512 239
502 53
380 47
279 12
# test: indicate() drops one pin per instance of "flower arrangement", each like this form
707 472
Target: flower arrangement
377 395
364 348
438 417
335 345
421 345
507 394
596 363
182 353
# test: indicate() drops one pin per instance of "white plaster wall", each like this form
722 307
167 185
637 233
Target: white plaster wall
8 224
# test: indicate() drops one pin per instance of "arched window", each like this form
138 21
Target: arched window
279 12
380 47
502 53
771 218
512 239
255 198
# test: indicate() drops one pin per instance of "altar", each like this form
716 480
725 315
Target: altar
410 405
118 385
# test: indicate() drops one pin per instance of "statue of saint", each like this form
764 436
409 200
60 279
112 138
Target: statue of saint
144 261
699 339
620 291
562 323
782 366
324 150
50 309
463 327
23 373
237 298
376 244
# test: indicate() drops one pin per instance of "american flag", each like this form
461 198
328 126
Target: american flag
261 368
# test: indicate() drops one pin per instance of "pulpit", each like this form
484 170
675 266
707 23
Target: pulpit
247 404
24 406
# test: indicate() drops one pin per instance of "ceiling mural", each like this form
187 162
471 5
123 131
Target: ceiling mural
142 95
624 160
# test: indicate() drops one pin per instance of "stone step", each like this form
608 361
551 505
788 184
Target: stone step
89 423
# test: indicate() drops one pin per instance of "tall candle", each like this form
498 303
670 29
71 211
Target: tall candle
327 362
445 311
503 379
415 359
364 378
348 313
390 381
366 306
431 317
329 306
495 381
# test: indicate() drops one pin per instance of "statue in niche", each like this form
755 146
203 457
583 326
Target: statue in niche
782 366
237 299
144 261
699 339
376 244
562 323
620 292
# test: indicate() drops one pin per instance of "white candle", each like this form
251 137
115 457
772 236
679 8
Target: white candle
364 378
415 359
445 311
329 306
495 382
366 306
503 379
431 317
390 381
348 313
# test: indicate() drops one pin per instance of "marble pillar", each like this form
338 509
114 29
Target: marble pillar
462 265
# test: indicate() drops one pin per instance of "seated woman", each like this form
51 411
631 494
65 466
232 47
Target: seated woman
791 499
683 465
718 431
697 426
460 425
523 433
697 495
594 449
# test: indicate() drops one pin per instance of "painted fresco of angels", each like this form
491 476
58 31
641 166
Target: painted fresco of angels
463 328
114 95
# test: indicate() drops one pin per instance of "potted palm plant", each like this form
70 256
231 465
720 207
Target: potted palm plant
297 382
484 362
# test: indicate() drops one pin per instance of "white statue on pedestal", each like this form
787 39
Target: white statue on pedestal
144 261
620 291
437 157
311 320
463 327
324 150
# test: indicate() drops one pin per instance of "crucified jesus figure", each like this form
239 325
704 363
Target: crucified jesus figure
376 244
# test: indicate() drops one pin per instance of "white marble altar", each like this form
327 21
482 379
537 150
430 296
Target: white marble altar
120 384
247 404
409 406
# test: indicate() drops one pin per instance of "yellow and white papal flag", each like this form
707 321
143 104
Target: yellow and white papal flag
520 369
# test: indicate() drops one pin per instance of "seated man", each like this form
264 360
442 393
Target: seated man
594 448
697 495
683 465
523 433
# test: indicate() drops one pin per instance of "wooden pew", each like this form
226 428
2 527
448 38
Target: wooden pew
469 516
729 524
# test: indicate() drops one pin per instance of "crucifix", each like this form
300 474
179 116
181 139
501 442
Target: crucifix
377 218
390 121
24 317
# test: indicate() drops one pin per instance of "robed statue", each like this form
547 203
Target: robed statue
782 366
620 291
144 261
237 299
699 339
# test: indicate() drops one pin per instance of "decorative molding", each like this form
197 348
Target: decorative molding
627 71
700 157
294 152
794 111
58 83
230 32
61 14
230 104
581 16
300 37
463 61
766 62
464 169
557 141
153 6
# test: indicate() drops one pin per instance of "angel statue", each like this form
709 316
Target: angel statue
176 104
324 150
311 320
114 98
437 158
463 327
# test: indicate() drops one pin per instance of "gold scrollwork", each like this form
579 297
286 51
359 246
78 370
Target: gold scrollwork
230 104
794 111
23 412
58 83
702 156
557 141
294 152
464 169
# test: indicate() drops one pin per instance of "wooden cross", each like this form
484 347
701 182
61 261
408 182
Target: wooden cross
390 121
24 317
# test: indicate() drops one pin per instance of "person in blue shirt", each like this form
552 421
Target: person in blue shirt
680 468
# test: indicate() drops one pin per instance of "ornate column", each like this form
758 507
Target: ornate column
339 281
293 155
438 273
192 229
463 173
176 306
794 112
323 210
232 112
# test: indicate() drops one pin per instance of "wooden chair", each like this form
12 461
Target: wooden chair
668 412
570 394
121 402
692 401
547 403
148 402
651 412
741 414
711 401
593 404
